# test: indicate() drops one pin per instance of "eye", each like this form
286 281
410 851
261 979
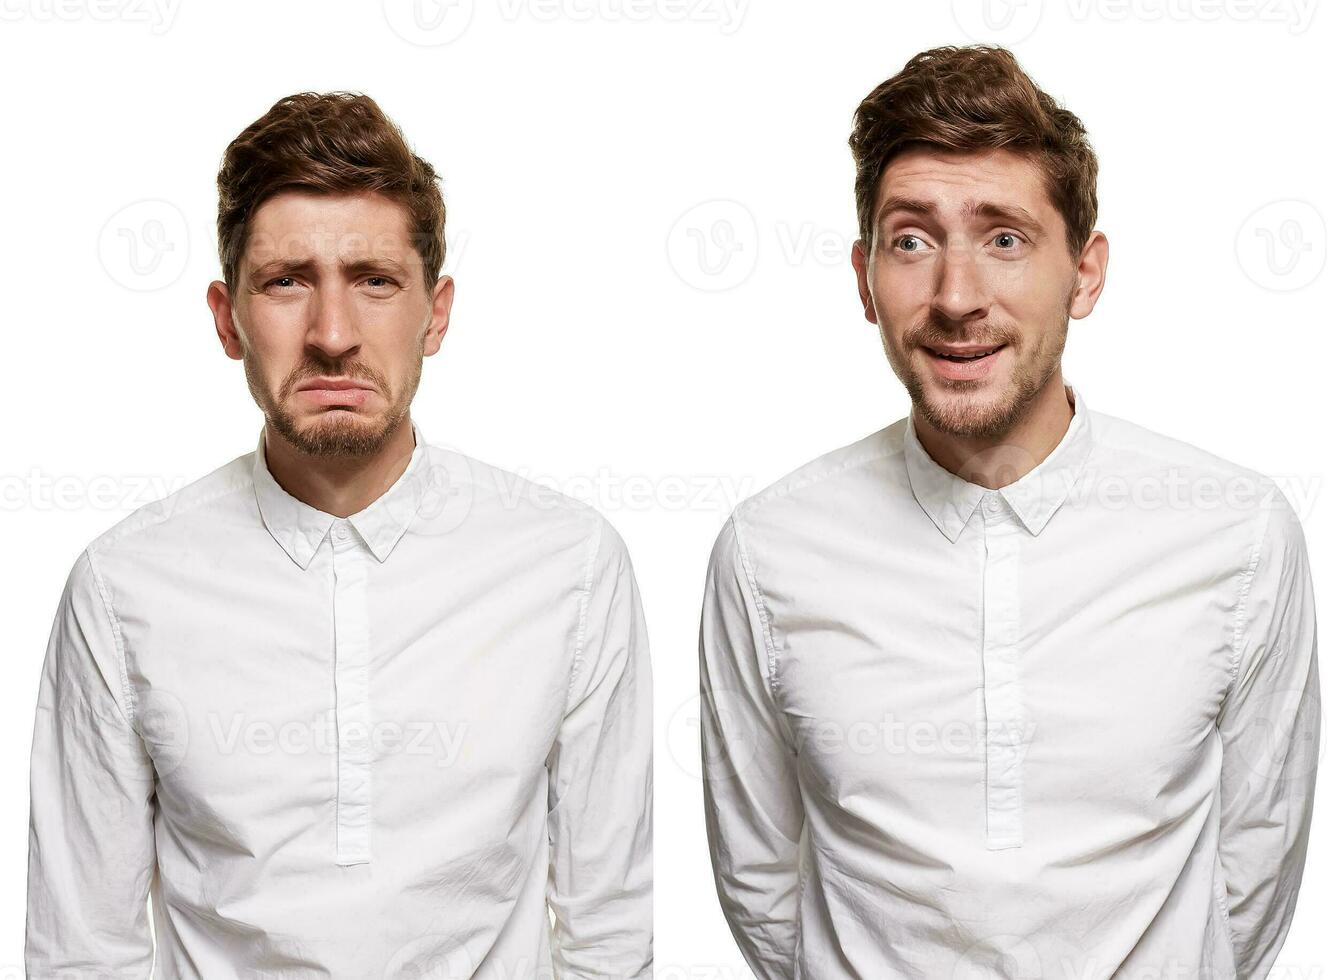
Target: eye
379 282
1013 240
899 243
283 282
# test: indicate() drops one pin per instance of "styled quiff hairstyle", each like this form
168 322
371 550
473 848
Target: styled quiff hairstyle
970 99
332 143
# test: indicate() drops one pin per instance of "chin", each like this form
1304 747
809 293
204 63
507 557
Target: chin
983 410
348 419
336 431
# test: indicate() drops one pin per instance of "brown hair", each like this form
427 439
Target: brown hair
974 98
332 143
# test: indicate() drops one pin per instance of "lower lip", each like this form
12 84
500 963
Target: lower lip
973 370
336 396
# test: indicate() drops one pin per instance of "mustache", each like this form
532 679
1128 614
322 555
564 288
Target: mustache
356 372
931 334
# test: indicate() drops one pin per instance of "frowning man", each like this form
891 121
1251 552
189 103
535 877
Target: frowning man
351 705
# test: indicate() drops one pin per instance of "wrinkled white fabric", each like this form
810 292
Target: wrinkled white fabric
1064 729
374 747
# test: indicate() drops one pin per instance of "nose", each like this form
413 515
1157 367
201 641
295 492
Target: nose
962 289
332 328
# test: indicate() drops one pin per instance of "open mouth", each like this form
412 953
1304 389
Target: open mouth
964 357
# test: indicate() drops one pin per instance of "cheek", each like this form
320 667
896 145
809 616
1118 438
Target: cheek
274 331
389 327
902 300
1032 291
393 346
272 356
903 284
1038 314
393 355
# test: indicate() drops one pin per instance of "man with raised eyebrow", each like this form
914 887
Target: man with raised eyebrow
352 705
1009 688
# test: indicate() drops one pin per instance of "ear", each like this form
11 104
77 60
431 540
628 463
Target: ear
1091 275
218 299
861 263
441 314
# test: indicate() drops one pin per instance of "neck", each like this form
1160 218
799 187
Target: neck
997 462
339 485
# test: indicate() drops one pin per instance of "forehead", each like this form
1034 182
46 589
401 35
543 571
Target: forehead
948 180
328 227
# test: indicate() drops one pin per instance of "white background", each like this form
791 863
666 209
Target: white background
593 346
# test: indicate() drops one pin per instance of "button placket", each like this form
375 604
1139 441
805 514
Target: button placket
353 716
1000 671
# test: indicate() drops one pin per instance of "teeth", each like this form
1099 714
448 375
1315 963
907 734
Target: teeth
966 357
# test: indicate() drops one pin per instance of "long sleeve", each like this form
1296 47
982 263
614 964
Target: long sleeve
91 854
1270 727
601 785
753 805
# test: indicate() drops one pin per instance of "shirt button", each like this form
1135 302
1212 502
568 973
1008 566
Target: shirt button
992 504
341 532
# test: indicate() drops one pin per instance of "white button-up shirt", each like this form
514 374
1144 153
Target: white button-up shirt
1064 729
374 747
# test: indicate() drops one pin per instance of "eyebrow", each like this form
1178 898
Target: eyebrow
1007 213
277 268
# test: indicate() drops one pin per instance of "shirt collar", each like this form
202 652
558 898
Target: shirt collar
949 500
300 528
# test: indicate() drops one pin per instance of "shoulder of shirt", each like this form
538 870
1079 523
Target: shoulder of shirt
520 494
236 475
1134 448
828 468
